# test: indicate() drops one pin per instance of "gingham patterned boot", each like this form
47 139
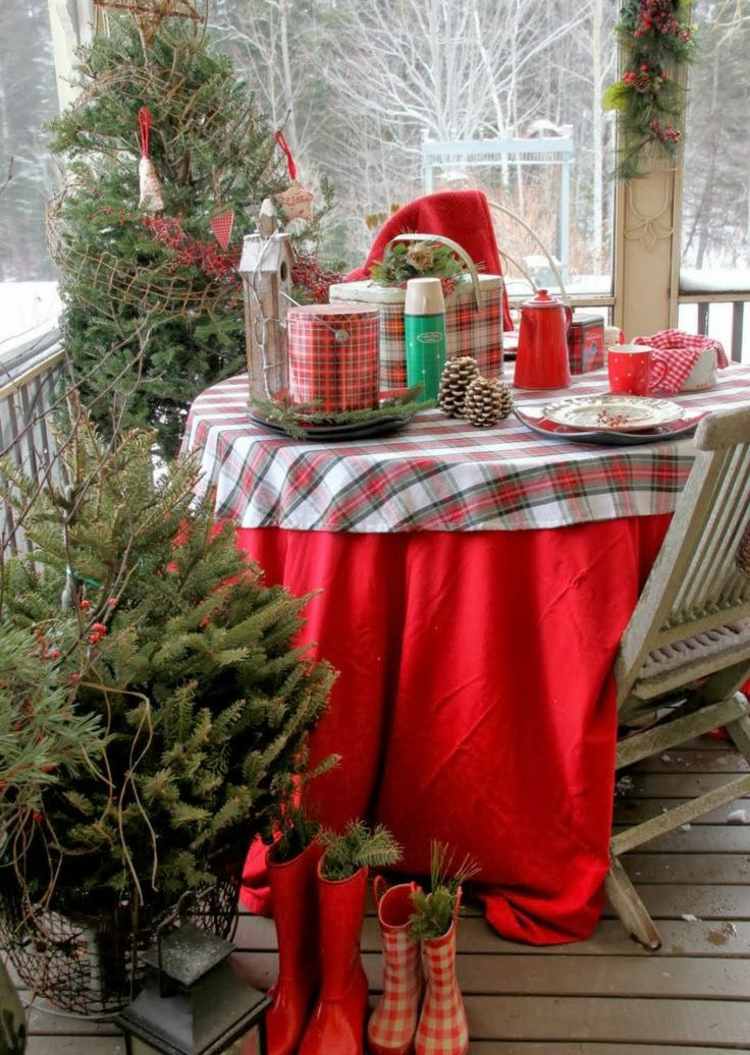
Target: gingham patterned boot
390 1030
442 1029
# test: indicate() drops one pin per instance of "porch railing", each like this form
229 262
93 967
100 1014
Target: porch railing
705 301
28 382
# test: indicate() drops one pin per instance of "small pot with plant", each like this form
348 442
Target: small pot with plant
337 1025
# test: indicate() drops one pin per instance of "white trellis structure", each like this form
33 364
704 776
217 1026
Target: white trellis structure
476 153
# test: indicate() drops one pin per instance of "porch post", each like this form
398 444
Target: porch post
648 249
70 22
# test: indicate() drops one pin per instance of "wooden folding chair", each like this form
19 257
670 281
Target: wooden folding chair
686 649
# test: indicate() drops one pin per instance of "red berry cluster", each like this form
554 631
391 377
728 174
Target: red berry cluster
207 256
659 16
45 651
309 273
645 79
665 133
97 632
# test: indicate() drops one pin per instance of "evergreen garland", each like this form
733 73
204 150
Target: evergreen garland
435 911
403 261
658 39
152 632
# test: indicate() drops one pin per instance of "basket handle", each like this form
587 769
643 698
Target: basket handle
457 249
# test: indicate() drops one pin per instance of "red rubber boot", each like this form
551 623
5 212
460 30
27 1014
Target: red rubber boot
337 1025
295 913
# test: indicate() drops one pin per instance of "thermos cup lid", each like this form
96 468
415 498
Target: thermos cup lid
424 296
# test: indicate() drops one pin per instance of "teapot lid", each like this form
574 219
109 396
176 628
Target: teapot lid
543 299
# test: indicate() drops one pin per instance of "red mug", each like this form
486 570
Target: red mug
632 371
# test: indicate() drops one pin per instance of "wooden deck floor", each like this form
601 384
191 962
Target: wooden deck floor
606 996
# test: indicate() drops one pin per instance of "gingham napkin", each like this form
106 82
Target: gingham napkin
679 352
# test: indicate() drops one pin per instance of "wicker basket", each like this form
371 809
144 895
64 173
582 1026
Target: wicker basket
93 965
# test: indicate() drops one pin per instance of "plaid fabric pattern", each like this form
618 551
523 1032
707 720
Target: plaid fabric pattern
442 1028
586 344
676 355
439 474
333 357
392 1024
468 331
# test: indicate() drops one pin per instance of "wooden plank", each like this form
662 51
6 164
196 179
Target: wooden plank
686 785
700 838
716 869
520 1047
720 938
703 309
738 325
696 761
75 1046
633 810
657 1021
664 737
672 901
623 976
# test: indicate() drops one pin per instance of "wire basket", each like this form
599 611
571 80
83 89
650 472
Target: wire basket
93 965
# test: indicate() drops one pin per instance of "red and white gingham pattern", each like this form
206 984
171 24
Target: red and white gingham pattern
468 330
391 1027
333 356
222 225
442 1028
676 355
440 474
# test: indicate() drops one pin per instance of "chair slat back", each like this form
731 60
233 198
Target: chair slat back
696 583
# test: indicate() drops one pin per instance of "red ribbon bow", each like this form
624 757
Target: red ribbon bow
290 162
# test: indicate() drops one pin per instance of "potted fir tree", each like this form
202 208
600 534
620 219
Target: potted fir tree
152 632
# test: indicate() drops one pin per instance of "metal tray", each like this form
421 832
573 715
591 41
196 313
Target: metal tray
356 430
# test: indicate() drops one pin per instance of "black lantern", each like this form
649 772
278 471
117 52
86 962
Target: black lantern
194 1001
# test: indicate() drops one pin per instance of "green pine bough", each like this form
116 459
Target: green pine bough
435 911
658 39
152 304
154 703
357 847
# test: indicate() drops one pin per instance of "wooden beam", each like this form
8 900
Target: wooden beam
71 25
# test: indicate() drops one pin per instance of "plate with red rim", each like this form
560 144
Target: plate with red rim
613 413
609 437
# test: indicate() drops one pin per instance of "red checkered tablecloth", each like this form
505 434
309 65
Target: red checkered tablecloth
439 474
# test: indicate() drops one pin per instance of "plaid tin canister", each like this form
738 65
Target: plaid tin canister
333 356
586 339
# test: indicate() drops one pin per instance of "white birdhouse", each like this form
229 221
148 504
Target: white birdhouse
266 271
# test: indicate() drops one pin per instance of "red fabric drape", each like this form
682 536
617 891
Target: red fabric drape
462 215
475 702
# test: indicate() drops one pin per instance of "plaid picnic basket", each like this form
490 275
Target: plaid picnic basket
473 317
333 356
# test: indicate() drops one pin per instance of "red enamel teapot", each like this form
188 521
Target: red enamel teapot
542 357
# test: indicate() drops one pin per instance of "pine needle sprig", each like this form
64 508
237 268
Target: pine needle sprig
435 911
358 847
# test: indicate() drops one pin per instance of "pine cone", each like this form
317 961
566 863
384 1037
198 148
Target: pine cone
487 401
456 377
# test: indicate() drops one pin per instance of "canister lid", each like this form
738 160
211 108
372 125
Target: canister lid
342 308
424 296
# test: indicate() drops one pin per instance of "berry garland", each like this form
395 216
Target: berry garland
658 40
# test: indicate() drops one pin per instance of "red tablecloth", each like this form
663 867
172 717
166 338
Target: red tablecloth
475 703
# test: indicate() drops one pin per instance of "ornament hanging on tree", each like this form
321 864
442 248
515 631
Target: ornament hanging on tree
151 196
221 225
296 202
487 402
454 380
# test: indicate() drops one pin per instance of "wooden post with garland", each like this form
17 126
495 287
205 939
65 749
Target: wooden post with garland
657 39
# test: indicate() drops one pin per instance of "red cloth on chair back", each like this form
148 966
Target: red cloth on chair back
462 215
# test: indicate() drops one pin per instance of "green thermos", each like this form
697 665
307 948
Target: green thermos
424 332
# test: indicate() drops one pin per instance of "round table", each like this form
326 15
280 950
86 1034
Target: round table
472 587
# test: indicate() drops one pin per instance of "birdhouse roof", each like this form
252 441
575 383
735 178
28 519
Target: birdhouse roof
264 254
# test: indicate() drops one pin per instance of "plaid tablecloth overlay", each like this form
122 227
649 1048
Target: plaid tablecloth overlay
440 474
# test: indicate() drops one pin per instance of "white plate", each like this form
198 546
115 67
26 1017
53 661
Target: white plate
613 412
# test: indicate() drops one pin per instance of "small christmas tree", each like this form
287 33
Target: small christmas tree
150 632
153 310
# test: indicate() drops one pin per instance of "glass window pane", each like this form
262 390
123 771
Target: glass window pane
28 98
360 87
